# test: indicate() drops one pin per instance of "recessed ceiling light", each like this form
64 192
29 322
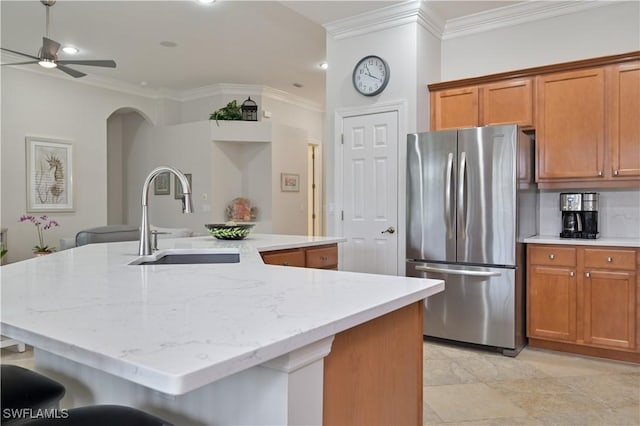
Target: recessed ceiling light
324 65
70 49
206 1
168 43
144 84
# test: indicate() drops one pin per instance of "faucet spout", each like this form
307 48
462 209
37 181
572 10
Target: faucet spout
187 204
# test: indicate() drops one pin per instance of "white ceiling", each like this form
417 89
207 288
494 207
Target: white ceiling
272 43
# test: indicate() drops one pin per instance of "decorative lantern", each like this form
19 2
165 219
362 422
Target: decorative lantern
249 110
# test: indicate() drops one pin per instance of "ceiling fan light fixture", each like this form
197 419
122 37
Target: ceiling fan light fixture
70 50
47 63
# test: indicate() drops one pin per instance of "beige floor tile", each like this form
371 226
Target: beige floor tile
437 372
612 390
578 418
429 417
558 364
476 401
491 368
12 356
501 421
431 351
540 397
457 351
629 415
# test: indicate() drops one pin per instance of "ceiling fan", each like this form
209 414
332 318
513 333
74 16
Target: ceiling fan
48 54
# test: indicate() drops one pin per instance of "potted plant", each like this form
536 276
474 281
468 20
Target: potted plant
231 112
41 223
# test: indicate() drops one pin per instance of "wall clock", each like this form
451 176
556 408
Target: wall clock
370 75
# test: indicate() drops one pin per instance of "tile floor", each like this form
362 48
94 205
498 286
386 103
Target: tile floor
464 386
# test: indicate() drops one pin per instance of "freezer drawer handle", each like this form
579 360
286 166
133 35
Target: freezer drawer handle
458 271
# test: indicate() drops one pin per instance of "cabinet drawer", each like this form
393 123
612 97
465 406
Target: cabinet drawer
610 258
552 255
322 257
285 258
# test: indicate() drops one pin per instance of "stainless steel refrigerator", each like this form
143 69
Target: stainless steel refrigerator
471 201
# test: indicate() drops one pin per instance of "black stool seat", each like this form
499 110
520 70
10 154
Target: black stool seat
23 388
102 415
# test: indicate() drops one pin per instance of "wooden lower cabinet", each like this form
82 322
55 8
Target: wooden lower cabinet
318 257
584 300
373 375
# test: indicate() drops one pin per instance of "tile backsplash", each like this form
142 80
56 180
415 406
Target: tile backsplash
618 216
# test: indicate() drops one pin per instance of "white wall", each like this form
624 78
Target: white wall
36 104
601 31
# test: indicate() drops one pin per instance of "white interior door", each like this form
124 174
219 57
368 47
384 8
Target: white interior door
370 193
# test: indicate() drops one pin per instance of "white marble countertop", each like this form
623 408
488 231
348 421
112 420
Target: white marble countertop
605 242
174 328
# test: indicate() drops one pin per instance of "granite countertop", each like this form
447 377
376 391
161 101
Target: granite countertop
606 241
174 328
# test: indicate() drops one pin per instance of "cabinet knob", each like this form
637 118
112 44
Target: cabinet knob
587 274
285 263
571 274
324 258
552 256
600 173
609 259
615 172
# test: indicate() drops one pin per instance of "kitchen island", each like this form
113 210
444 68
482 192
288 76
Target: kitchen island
236 343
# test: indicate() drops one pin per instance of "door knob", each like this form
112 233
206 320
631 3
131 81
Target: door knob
389 230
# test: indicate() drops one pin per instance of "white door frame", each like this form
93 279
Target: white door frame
401 107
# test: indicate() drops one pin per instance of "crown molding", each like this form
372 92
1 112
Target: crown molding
179 96
378 20
520 13
420 11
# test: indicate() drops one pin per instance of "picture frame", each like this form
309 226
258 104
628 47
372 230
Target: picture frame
162 184
178 186
289 182
49 173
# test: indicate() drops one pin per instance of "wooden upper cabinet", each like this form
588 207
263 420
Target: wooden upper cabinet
507 102
452 109
570 125
625 120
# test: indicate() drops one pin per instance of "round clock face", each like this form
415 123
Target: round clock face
370 75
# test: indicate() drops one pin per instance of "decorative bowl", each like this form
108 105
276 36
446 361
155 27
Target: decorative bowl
229 232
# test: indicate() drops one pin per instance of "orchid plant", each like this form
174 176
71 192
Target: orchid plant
41 223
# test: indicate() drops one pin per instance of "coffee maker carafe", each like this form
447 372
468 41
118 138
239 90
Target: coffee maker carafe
579 215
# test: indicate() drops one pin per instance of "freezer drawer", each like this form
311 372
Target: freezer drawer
477 305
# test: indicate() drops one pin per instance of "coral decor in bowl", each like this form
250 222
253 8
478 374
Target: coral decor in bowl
229 230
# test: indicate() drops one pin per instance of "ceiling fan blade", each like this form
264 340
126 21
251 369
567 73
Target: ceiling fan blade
71 71
95 63
19 53
20 63
49 48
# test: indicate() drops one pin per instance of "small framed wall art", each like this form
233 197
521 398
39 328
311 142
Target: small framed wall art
289 182
49 175
178 186
162 184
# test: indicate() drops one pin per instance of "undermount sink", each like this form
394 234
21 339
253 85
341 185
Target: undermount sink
188 256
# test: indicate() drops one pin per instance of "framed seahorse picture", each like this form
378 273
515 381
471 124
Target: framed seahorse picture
49 175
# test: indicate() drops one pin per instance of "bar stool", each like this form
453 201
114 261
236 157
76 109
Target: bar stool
21 388
101 415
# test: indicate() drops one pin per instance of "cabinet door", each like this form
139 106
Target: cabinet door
551 303
625 121
455 108
507 102
322 257
610 308
570 125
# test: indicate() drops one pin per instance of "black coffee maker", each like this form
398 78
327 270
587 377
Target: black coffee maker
579 215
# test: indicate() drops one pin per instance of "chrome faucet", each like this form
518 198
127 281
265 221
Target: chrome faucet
187 205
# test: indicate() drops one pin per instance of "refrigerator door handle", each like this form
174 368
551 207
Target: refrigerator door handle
458 271
462 187
448 197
